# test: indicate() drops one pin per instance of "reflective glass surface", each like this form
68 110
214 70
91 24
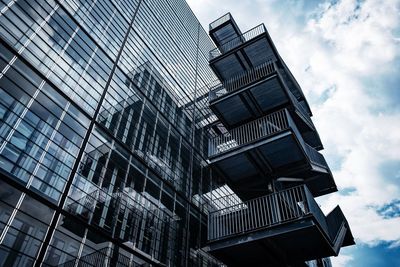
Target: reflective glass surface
103 133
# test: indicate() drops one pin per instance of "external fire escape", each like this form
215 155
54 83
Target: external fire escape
269 158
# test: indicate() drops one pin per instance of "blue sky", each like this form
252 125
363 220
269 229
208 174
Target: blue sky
346 56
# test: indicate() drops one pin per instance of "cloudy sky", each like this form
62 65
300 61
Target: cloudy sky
346 56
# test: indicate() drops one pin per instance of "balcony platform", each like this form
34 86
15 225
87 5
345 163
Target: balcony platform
256 93
224 29
241 53
286 227
251 155
248 51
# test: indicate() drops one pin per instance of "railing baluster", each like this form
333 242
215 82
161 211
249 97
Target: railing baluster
273 209
257 212
270 124
284 210
219 224
288 205
277 206
211 232
274 121
254 130
245 222
248 216
236 211
249 225
282 207
293 212
292 204
260 212
266 200
251 128
233 222
303 197
237 230
281 121
225 230
253 217
210 226
228 223
297 201
301 200
248 133
278 121
240 216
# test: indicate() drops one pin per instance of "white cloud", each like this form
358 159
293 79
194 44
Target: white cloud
342 260
357 42
340 46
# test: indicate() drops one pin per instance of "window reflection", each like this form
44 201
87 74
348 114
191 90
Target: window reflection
133 180
135 121
24 234
40 139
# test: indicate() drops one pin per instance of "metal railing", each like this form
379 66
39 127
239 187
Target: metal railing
231 44
249 132
219 21
264 212
96 258
239 81
227 200
335 220
303 112
101 257
314 156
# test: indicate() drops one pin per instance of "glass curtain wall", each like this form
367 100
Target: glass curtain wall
104 125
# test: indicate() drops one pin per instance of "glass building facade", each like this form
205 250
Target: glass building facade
103 111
